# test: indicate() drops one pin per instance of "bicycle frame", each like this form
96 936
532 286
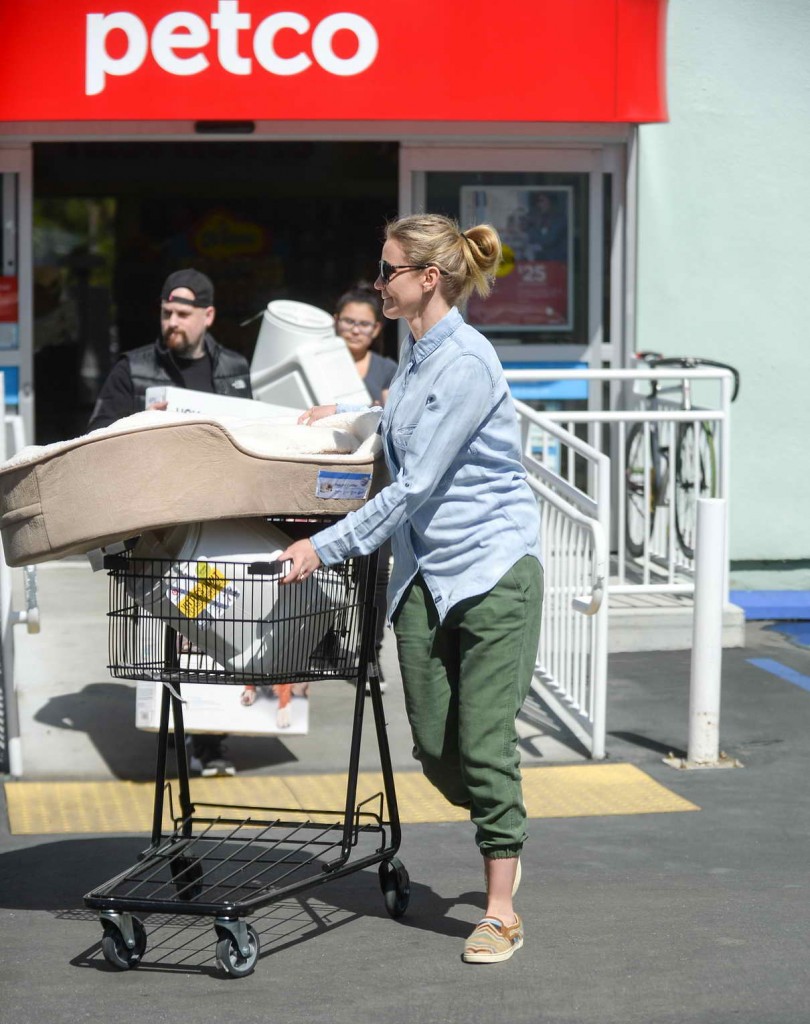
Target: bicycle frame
693 473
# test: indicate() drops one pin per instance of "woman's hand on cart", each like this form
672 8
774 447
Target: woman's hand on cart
315 413
304 561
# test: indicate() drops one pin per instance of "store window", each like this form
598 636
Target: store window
541 293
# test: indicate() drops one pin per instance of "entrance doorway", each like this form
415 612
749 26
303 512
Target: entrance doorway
265 220
560 211
559 299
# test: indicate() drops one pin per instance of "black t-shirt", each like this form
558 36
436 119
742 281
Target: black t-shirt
381 372
117 395
197 374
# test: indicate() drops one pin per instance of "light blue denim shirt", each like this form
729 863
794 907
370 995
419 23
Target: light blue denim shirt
458 509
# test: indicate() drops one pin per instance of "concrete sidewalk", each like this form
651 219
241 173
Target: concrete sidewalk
78 723
694 918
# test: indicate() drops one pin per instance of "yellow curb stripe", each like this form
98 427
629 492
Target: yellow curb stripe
569 791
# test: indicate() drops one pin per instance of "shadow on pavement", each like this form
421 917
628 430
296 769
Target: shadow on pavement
55 876
106 713
543 736
637 740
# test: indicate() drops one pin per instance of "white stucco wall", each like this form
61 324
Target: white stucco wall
724 243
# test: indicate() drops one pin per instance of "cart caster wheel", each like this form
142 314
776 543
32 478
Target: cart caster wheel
231 960
187 875
396 886
115 949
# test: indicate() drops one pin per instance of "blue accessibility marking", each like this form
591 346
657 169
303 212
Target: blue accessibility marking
776 668
798 632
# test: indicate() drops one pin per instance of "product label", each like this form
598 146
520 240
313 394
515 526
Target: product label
347 486
200 591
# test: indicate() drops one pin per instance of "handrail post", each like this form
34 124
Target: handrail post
707 633
13 741
726 386
703 748
600 652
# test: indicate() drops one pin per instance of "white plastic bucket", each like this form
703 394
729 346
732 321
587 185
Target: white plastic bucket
245 623
286 325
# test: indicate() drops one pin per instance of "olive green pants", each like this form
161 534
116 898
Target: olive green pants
465 681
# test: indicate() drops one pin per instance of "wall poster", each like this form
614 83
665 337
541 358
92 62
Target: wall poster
534 287
9 313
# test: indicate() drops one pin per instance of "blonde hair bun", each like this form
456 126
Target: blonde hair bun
467 260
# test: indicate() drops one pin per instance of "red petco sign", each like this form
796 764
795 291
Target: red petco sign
531 60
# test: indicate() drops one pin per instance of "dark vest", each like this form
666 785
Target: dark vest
153 365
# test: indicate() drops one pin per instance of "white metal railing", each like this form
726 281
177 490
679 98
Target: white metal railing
676 455
571 669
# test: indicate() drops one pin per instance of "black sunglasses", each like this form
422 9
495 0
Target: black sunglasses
387 269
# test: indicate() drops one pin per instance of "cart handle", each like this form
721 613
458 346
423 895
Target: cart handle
254 569
116 562
268 568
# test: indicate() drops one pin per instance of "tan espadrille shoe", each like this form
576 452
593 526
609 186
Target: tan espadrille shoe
493 941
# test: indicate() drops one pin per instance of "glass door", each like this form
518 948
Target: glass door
15 283
558 298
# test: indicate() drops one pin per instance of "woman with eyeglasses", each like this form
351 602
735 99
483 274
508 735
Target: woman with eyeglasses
466 590
359 321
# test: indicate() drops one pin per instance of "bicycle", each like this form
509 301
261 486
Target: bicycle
695 449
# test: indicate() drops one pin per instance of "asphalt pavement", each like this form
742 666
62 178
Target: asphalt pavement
665 918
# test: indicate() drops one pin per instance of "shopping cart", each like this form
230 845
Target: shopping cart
229 623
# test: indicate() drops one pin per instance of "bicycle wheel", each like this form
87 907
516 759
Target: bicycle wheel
634 470
695 477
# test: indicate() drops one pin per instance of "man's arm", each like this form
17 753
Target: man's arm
116 398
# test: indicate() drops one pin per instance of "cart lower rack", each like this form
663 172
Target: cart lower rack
228 623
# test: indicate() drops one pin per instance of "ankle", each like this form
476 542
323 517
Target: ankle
506 915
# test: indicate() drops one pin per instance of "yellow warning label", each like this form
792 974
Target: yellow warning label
210 583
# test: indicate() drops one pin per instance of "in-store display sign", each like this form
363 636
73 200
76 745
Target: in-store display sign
534 285
535 60
9 313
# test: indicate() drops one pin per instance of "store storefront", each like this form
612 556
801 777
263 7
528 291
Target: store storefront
268 147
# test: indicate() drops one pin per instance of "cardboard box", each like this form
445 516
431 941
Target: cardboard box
249 623
209 708
205 404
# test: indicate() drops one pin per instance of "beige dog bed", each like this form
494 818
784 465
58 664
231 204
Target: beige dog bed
159 469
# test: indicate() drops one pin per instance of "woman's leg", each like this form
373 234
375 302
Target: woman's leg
498 637
498 642
486 649
499 875
428 659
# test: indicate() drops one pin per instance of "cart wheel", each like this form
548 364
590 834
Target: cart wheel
187 875
116 951
396 886
231 960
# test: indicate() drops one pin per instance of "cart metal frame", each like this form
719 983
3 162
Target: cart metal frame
228 860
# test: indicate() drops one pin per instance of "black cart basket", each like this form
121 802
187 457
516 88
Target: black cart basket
233 623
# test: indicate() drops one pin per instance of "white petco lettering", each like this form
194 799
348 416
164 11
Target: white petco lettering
177 34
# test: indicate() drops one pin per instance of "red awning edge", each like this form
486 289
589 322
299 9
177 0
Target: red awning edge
641 94
570 61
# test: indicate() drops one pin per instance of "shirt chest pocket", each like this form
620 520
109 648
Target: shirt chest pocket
402 437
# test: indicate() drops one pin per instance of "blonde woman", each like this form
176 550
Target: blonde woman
466 589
